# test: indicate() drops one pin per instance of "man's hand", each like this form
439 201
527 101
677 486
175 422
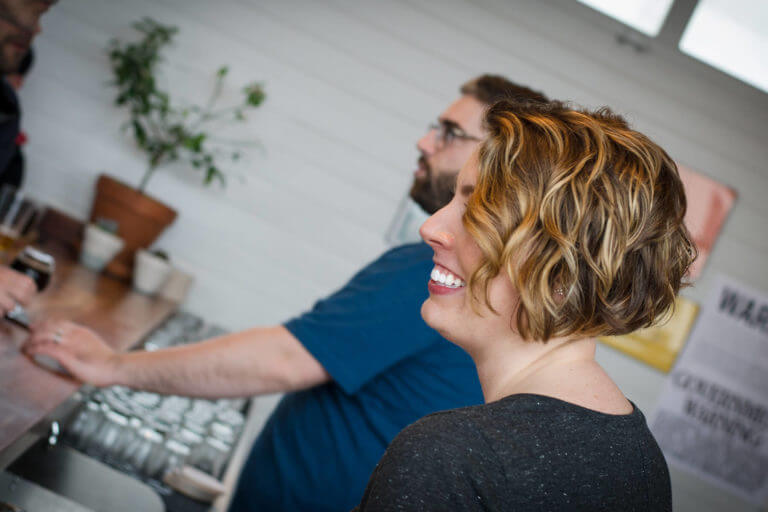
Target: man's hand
15 287
78 349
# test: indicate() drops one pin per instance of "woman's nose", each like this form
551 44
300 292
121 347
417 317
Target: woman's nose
434 232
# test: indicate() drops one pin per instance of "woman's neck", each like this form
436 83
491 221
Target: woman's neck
514 366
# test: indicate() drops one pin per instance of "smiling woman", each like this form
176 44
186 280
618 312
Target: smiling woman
566 225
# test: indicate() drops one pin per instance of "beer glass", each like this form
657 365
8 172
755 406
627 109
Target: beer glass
17 214
39 266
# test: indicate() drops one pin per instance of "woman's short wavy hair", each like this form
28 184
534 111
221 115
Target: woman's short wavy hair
584 215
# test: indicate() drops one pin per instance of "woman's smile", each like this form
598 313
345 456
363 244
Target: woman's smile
443 281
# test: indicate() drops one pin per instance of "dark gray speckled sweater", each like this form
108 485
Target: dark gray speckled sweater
522 453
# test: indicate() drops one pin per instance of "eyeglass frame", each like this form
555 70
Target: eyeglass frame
445 129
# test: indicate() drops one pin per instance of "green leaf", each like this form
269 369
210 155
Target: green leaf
222 72
194 143
254 95
209 174
140 134
213 173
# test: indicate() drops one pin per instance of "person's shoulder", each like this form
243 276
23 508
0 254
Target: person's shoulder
435 442
436 463
445 430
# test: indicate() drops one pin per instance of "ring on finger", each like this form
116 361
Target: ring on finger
58 336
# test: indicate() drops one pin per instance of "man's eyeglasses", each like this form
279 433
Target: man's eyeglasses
446 133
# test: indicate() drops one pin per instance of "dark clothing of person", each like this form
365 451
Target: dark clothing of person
522 453
11 160
389 369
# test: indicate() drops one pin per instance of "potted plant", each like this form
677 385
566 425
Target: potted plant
165 132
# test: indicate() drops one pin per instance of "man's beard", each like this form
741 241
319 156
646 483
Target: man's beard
10 64
431 191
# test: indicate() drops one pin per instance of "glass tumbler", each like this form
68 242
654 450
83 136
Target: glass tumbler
141 447
166 457
17 213
106 442
85 423
209 456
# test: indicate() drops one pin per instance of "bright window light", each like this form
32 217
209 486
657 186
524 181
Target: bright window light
646 16
732 36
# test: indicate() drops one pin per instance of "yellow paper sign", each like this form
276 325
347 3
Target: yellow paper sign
659 345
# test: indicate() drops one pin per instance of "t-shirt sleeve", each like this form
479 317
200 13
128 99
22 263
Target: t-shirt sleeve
374 321
434 464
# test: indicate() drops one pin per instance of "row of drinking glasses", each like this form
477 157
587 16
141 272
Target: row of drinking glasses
149 434
149 446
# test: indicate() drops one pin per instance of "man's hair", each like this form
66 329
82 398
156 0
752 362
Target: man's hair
26 63
490 89
585 217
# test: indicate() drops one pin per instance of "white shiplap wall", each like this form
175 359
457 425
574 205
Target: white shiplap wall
351 85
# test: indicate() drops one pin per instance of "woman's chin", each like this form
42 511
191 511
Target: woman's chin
426 311
436 317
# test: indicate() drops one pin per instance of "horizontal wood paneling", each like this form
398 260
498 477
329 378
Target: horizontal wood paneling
351 85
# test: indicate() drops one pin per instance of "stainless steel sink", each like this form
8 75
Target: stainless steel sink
18 494
84 480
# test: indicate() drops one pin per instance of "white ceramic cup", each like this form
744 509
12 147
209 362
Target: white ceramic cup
177 286
149 272
99 247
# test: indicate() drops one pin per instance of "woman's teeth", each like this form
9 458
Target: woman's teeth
446 278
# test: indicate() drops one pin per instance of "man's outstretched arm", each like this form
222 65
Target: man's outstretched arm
255 361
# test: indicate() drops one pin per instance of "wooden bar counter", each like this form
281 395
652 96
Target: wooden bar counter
30 394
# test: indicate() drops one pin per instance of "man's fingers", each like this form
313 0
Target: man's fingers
38 335
23 290
38 339
40 326
51 329
46 332
19 286
7 302
55 352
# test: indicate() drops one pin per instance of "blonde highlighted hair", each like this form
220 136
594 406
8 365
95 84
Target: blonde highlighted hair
583 214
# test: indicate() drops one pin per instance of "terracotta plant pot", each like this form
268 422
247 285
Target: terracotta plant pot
140 220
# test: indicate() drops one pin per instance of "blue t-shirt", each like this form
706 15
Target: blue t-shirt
389 369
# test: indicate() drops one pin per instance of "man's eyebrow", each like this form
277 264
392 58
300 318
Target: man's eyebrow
450 123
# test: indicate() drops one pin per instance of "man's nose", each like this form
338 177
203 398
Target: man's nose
427 144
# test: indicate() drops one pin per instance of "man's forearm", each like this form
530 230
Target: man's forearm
255 361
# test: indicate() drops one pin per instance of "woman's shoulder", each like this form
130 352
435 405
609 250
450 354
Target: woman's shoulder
448 439
451 427
437 463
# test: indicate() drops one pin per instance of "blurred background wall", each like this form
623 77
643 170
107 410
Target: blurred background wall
351 86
